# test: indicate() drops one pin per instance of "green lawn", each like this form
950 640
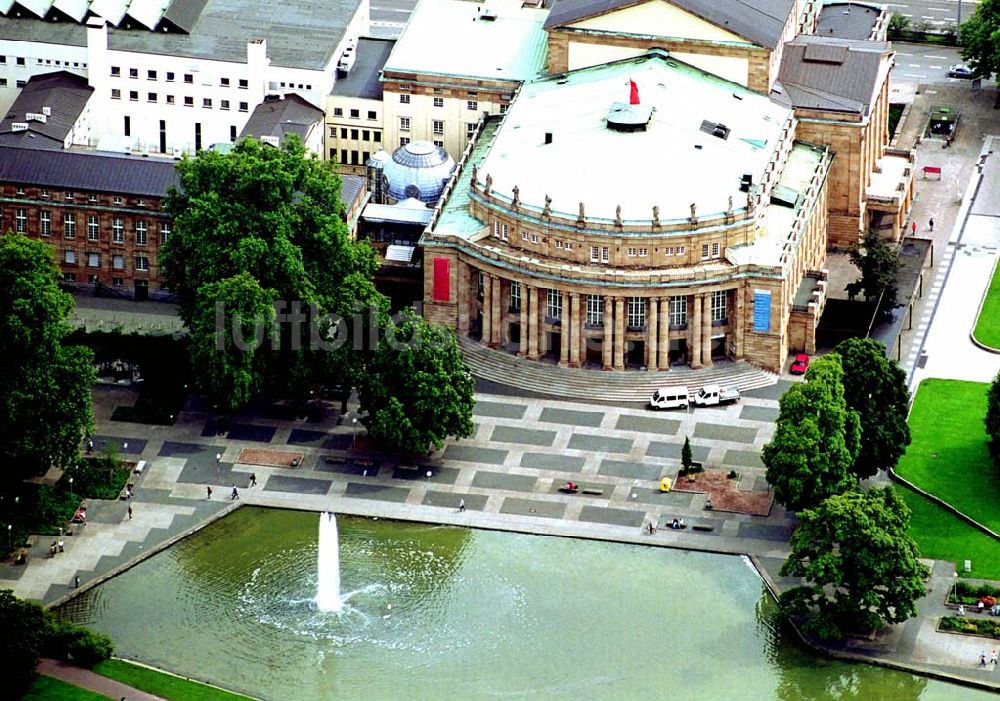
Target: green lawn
49 689
161 684
943 536
948 456
987 329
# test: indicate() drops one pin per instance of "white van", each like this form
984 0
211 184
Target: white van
669 398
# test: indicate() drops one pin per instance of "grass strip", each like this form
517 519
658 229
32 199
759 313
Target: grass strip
161 684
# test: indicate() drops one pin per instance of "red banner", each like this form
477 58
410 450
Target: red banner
442 280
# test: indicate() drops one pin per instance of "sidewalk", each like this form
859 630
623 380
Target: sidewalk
86 679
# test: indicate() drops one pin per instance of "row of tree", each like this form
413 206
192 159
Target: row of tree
844 424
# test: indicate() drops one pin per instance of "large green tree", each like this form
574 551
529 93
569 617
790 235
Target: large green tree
418 390
980 41
878 263
875 387
23 626
816 439
862 569
45 403
273 214
993 416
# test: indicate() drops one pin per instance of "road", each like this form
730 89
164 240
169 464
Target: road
924 63
937 13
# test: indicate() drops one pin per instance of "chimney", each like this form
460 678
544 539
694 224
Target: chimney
548 137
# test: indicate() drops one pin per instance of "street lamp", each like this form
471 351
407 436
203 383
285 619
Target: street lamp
71 488
9 527
354 432
125 448
218 466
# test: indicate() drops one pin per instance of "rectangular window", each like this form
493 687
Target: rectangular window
46 221
141 263
170 76
715 250
632 252
117 199
150 75
355 114
524 235
404 140
164 233
480 278
118 230
595 310
116 71
643 252
151 97
118 281
366 135
133 95
171 100
118 262
404 99
244 107
503 232
141 233
680 250
636 312
224 82
515 296
20 60
534 238
438 127
44 194
343 132
704 251
377 137
338 111
188 101
69 257
69 226
133 72
404 123
21 221
605 254
354 134
719 305
69 277
93 260
438 142
668 251
553 304
439 102
471 105
371 114
68 196
224 105
116 94
470 129
93 228
678 311
595 254
206 102
189 78
343 156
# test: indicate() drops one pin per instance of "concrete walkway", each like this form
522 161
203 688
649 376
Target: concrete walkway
84 678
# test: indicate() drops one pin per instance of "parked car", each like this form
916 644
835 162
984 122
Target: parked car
669 398
960 70
710 395
800 364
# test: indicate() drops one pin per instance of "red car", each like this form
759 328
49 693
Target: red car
800 364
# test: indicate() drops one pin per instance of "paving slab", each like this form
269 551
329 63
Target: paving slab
652 495
648 424
135 445
503 480
599 444
742 458
365 490
296 485
632 470
661 449
526 436
771 391
531 507
345 466
763 531
305 436
177 449
605 489
553 461
250 432
611 516
499 410
439 474
471 453
449 500
722 432
573 417
758 413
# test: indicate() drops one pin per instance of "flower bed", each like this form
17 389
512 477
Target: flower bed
725 493
981 627
970 594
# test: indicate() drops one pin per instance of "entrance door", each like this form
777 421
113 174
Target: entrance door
718 347
635 354
678 351
514 337
553 343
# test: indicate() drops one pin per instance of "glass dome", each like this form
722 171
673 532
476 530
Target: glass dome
418 170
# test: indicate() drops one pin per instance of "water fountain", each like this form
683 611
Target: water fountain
328 565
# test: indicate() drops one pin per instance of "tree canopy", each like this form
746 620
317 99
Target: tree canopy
875 387
23 626
993 416
878 263
816 439
980 41
272 216
861 567
45 403
418 390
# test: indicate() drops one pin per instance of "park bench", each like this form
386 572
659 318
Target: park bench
703 528
593 492
334 460
932 170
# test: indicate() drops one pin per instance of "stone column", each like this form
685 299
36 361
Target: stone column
609 320
694 325
619 359
463 275
663 344
652 332
739 322
531 328
497 310
706 330
573 330
487 309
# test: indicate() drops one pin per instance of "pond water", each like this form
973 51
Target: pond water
440 612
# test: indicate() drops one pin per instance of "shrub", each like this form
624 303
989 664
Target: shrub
67 641
970 626
968 593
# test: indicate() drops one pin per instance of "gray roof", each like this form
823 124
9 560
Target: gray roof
759 21
65 94
299 33
848 20
87 171
350 189
363 80
839 75
277 116
183 14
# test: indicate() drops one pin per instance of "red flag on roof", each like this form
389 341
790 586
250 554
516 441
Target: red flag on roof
634 96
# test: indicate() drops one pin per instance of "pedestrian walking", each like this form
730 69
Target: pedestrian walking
913 228
253 479
461 504
209 490
62 545
129 512
993 657
235 495
982 658
961 610
931 223
90 446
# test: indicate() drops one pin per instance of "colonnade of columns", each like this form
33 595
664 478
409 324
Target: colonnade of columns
614 334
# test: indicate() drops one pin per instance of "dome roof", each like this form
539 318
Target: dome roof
418 170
